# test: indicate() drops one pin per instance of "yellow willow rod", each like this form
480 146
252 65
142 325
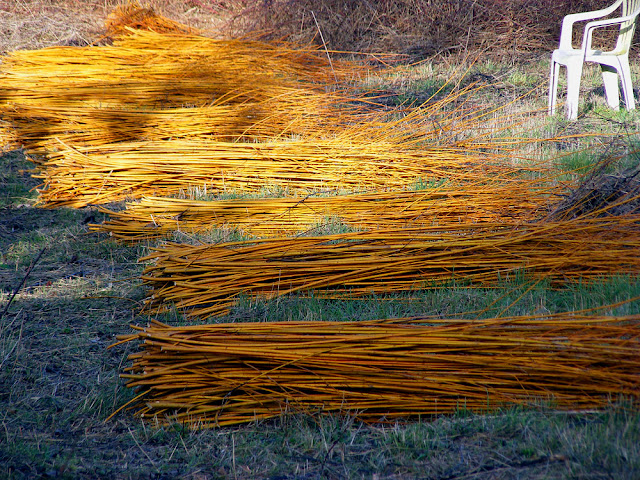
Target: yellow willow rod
80 176
155 217
205 279
487 364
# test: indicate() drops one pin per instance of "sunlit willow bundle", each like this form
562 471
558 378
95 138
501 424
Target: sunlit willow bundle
156 217
149 85
383 370
208 279
159 113
78 177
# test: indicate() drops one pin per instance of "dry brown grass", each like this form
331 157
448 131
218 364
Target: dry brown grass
31 24
417 28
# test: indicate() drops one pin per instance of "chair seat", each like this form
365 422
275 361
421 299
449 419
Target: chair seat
564 57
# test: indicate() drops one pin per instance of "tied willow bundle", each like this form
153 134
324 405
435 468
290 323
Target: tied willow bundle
156 217
226 374
208 279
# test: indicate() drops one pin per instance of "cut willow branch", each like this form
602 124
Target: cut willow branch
207 280
226 374
157 217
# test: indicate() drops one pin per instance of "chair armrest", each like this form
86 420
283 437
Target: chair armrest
591 26
566 33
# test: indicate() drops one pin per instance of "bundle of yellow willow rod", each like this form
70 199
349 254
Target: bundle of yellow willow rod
154 86
77 177
176 84
160 113
225 374
156 217
208 279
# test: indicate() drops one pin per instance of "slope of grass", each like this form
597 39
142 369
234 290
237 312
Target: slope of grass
58 382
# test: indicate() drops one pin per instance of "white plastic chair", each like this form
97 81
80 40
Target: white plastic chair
614 63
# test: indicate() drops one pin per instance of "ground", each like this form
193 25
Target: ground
66 293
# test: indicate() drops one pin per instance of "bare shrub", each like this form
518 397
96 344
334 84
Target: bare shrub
416 27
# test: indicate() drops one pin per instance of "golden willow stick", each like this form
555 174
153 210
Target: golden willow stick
383 370
78 177
157 217
207 280
147 82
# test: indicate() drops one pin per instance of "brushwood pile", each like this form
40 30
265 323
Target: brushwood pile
170 132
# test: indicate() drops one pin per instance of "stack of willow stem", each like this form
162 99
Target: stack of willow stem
76 177
157 114
152 86
157 217
225 374
208 279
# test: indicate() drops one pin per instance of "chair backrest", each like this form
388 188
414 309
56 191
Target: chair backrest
628 28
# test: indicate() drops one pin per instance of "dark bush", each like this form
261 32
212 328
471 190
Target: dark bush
419 28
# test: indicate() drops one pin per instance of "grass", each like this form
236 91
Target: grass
58 382
510 444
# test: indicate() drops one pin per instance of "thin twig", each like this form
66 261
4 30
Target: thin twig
324 44
24 279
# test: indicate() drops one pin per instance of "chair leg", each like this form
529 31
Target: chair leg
554 77
611 90
627 85
553 87
574 75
